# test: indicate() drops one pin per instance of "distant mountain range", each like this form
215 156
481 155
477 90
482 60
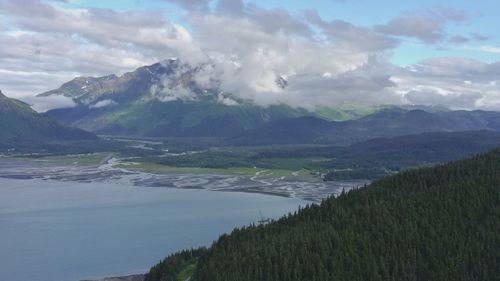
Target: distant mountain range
19 124
385 123
165 100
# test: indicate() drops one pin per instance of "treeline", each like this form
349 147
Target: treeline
58 148
356 173
437 223
212 160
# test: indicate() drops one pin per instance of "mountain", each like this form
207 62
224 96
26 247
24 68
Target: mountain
436 223
166 99
301 130
385 123
19 124
161 100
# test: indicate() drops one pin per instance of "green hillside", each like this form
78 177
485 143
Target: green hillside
429 224
345 112
151 117
21 124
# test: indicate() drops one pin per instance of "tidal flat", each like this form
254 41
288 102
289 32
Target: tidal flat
120 171
73 221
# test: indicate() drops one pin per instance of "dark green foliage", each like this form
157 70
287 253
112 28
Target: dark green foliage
356 173
437 223
212 160
170 268
40 149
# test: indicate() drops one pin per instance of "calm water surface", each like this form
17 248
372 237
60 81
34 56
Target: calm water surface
66 231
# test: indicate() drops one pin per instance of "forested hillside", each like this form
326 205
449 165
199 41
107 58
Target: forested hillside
428 224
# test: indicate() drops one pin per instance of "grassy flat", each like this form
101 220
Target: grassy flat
301 174
87 160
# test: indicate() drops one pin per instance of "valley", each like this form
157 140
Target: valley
308 171
104 168
249 140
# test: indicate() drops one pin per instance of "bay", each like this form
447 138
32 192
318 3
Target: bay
69 231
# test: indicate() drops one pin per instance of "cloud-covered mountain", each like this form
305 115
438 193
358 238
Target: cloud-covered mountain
175 98
163 99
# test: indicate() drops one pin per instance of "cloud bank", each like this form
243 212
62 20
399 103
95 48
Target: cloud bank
244 49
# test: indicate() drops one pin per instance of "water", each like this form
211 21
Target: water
66 231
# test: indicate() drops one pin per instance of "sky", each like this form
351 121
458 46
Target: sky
330 51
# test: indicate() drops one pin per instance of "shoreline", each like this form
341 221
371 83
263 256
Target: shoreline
133 277
314 192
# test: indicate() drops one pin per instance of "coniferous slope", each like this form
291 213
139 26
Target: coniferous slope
428 224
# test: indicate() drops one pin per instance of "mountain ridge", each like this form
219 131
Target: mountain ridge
166 100
21 124
385 123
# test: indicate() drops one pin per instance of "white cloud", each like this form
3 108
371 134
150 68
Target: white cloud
242 49
43 104
442 81
226 100
490 49
103 103
198 5
428 26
